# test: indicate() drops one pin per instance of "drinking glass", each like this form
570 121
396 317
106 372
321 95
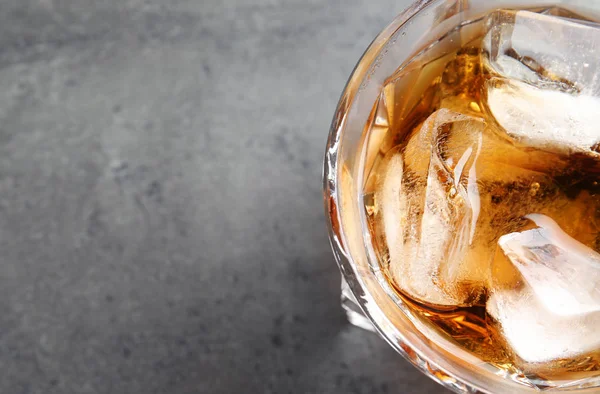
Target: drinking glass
367 297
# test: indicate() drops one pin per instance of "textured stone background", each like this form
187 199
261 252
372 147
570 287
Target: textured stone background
161 222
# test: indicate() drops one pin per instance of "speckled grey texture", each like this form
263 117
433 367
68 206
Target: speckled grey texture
161 220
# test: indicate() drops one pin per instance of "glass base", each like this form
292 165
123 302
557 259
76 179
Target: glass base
354 313
357 318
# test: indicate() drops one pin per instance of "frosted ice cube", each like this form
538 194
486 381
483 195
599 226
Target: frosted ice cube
545 85
551 311
538 335
545 118
557 267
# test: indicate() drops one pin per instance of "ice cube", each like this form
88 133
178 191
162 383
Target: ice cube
537 335
546 51
545 86
401 207
545 118
548 307
429 203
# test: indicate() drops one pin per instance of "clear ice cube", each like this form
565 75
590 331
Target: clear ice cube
545 87
546 51
546 295
429 203
414 273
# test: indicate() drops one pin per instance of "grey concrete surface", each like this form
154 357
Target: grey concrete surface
161 221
